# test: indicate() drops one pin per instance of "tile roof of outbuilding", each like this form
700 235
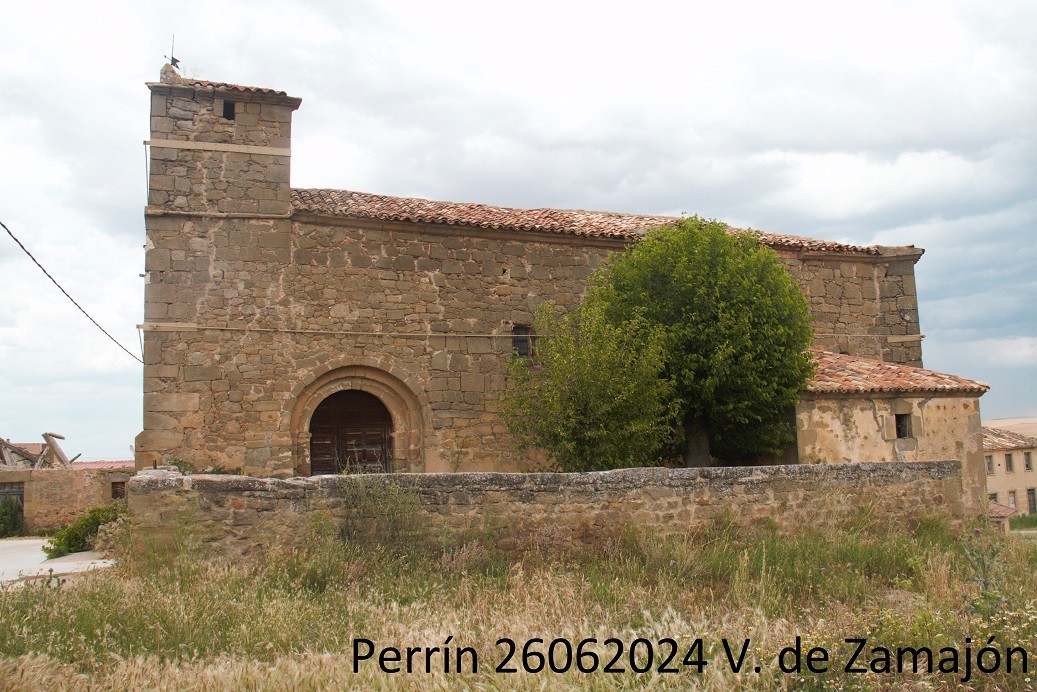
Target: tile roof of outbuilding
593 224
996 438
105 465
996 510
838 373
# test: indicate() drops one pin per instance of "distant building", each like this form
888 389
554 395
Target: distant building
51 489
1023 426
34 455
1011 476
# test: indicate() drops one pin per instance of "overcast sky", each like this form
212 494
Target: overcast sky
883 122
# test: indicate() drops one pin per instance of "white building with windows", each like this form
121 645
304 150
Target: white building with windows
1011 476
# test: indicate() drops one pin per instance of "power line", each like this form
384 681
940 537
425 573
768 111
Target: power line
55 282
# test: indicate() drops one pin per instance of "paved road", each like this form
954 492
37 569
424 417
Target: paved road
24 557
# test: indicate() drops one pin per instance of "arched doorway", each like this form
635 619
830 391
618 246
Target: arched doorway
351 431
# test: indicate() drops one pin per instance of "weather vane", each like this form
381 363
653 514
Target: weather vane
172 60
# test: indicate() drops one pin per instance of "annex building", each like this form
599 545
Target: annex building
303 331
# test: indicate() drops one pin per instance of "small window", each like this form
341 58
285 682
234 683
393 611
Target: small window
522 338
1027 461
1011 499
992 497
228 110
903 421
990 464
1009 464
118 490
1031 500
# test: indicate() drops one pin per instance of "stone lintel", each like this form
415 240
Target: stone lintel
217 146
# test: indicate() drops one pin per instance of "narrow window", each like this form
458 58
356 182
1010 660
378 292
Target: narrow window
13 493
1031 500
1027 461
228 110
1011 499
990 464
903 421
992 497
118 490
522 340
1009 464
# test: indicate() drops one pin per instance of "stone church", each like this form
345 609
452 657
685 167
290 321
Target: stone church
306 331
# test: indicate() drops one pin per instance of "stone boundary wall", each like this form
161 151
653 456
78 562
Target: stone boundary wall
53 498
241 515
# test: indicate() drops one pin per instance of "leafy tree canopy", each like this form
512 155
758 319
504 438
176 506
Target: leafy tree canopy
593 396
736 329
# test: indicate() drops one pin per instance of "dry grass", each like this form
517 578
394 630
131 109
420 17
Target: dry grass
181 620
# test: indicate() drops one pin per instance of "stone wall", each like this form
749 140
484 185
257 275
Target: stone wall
862 306
258 310
52 498
841 430
242 514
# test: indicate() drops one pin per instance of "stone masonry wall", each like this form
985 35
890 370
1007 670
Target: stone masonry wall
244 177
241 515
863 306
280 302
52 498
841 430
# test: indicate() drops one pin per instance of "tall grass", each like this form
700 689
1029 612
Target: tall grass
183 618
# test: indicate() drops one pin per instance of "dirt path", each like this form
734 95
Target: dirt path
22 558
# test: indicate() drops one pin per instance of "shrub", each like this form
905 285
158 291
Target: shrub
80 534
11 521
593 397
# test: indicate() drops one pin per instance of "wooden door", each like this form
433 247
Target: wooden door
351 432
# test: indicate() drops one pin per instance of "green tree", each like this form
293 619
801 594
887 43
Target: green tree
736 326
593 395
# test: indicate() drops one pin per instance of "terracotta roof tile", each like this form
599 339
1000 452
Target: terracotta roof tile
839 373
105 465
599 224
996 510
996 438
224 86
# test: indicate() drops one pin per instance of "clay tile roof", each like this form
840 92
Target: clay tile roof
224 86
105 465
996 438
839 373
996 510
594 224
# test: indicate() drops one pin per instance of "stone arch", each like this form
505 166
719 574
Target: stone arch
404 405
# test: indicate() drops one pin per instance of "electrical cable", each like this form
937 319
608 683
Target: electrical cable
54 281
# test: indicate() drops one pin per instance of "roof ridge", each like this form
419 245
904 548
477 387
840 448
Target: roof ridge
227 86
581 222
